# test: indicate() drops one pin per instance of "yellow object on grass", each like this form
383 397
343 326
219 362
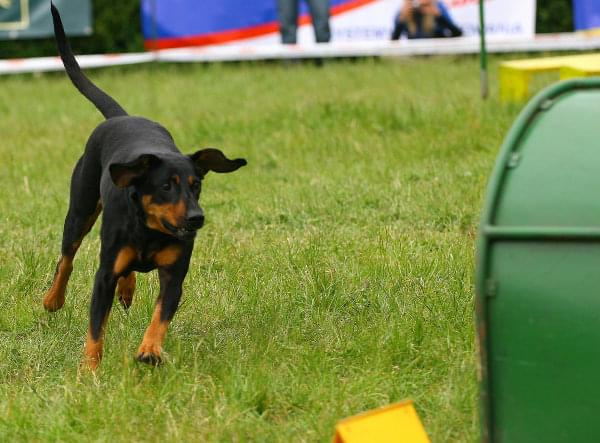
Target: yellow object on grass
516 74
397 423
593 32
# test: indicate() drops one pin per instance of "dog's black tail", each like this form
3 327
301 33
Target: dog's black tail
105 104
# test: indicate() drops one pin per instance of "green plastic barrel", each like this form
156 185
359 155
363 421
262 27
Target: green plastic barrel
538 274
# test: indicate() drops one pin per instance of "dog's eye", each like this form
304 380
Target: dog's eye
166 186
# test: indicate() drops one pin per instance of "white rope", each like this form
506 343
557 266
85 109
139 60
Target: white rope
402 48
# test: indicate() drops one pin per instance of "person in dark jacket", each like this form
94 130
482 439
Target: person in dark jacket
424 19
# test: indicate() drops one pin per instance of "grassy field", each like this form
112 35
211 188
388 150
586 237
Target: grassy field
334 274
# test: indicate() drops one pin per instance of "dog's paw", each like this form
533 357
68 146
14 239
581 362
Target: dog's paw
53 302
150 353
89 364
125 301
125 290
149 358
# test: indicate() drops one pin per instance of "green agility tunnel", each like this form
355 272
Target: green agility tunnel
538 274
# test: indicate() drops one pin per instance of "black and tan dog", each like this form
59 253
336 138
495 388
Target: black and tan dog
148 192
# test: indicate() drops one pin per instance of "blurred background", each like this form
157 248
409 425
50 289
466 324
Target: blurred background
115 26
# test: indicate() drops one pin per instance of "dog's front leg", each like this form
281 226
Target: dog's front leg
173 265
102 298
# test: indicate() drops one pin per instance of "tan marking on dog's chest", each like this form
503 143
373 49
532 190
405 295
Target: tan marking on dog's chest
167 256
124 258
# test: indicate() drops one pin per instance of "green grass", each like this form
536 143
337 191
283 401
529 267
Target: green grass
334 274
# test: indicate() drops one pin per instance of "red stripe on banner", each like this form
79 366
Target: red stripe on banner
335 10
240 34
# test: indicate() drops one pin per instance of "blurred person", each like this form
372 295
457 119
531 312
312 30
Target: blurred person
288 20
424 19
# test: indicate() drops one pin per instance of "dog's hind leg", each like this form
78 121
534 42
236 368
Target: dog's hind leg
84 208
125 289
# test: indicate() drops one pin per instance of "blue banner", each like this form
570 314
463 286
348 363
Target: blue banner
586 14
173 23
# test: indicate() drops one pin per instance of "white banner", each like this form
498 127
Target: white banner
543 42
503 18
374 21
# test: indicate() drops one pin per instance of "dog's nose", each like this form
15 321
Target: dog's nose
195 219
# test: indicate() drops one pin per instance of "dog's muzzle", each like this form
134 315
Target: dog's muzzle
194 220
188 228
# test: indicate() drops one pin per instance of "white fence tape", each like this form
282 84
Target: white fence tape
465 45
45 64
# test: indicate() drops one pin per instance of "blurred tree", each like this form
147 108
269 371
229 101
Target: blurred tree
117 29
554 16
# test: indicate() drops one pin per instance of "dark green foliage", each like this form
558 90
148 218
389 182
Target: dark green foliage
116 25
554 16
117 29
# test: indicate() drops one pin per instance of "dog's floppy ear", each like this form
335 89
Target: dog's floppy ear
211 159
123 174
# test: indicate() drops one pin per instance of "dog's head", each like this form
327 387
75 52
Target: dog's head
167 188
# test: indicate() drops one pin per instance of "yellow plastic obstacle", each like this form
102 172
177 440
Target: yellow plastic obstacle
516 74
580 69
397 423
